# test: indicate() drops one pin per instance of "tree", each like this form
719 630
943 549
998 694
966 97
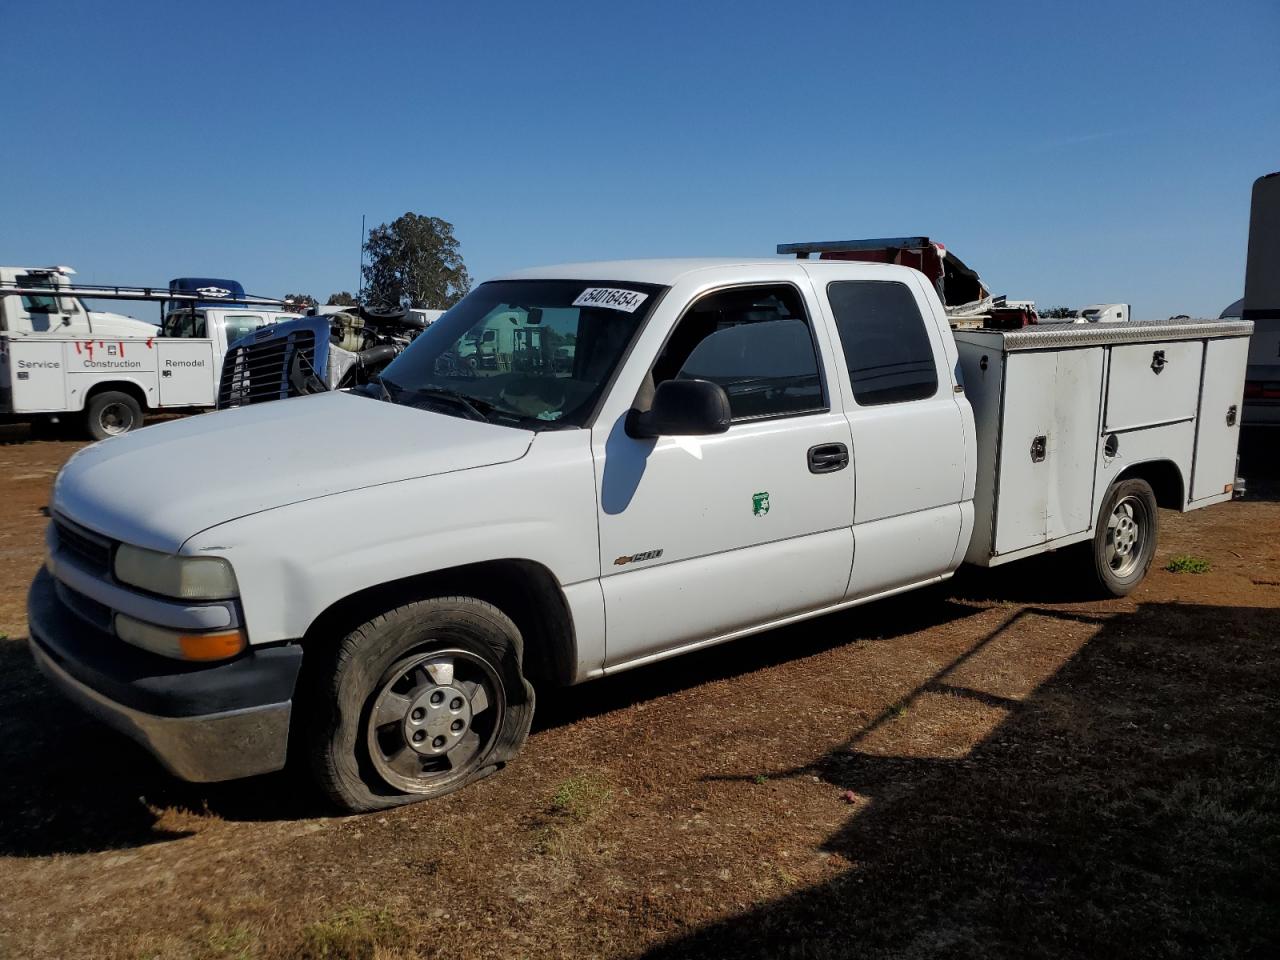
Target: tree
1056 313
302 302
414 262
342 299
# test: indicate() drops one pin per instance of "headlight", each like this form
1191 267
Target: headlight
186 578
179 645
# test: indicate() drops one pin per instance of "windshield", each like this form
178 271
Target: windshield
533 353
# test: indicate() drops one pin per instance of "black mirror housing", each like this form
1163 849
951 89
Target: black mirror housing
682 408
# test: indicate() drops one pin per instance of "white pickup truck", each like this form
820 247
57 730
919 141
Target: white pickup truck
60 360
377 580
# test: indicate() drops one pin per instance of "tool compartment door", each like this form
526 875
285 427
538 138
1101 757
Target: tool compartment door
1218 426
37 375
185 372
1153 383
1048 446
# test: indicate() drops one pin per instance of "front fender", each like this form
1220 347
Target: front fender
293 562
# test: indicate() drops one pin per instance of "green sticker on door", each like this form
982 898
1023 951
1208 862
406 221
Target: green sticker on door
760 503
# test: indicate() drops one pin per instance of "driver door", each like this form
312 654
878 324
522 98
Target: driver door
704 536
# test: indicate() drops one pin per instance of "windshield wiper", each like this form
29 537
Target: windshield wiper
475 408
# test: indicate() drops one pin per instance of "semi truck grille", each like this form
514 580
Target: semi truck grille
92 553
270 370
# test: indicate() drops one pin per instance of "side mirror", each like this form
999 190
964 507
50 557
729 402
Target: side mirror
682 408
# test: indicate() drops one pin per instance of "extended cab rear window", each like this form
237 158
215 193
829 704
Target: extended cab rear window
885 342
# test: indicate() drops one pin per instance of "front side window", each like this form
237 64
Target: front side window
886 345
756 343
39 304
532 353
241 325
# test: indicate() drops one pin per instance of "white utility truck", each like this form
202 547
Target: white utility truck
59 360
732 445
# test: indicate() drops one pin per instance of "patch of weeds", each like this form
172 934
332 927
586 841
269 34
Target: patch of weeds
575 801
785 877
549 840
759 779
354 934
236 942
581 797
1186 563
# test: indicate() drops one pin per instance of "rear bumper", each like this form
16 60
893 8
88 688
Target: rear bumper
202 722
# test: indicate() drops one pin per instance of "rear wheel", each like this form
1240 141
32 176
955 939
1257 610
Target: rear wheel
111 414
417 703
1124 543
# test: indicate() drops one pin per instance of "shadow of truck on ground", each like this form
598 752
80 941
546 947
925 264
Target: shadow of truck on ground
1124 803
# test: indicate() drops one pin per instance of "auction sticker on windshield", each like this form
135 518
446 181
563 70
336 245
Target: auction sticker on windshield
611 299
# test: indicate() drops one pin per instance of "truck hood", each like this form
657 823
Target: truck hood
118 325
159 486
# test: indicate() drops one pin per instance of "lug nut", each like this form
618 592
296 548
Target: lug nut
456 726
418 713
437 697
419 736
455 703
438 742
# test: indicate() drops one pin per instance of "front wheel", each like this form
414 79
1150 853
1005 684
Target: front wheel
416 704
1124 543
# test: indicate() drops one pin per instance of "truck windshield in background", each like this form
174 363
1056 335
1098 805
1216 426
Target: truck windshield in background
536 353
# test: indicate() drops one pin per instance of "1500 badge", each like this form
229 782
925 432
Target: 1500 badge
638 557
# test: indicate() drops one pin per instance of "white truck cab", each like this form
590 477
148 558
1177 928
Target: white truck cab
1104 313
59 360
43 312
384 575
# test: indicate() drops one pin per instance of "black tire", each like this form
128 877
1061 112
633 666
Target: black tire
112 414
1124 542
361 764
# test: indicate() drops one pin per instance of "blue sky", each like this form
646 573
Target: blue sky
1071 153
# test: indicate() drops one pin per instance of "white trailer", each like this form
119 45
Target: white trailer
1262 304
58 359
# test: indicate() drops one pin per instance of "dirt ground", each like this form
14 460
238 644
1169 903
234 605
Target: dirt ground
996 767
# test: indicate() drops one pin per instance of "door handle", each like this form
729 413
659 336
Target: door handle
828 457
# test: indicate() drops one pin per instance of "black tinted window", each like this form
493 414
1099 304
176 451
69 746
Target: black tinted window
886 346
753 341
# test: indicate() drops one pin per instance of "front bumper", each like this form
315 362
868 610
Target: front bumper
202 722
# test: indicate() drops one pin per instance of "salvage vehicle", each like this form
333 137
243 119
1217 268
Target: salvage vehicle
60 360
375 581
331 351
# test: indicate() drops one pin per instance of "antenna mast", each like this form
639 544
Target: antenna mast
360 279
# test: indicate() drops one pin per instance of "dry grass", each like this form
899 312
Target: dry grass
1000 769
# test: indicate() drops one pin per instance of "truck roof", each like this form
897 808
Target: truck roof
668 271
